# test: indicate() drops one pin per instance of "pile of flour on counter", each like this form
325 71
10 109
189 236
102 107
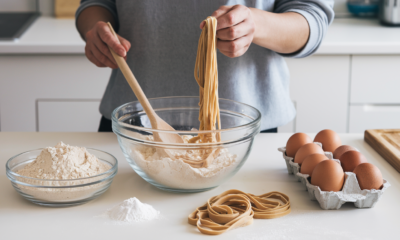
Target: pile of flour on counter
131 211
175 173
62 162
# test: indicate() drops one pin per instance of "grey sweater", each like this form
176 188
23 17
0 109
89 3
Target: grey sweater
164 36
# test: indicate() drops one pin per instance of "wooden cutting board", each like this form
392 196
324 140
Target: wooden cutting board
387 143
65 8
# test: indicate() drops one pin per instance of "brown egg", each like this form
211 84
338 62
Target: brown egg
310 162
306 150
368 176
342 149
351 159
296 141
329 139
328 176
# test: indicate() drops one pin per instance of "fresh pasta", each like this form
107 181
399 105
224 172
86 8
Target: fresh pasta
235 208
206 75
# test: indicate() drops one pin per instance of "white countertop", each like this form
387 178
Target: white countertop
264 171
47 35
346 36
360 36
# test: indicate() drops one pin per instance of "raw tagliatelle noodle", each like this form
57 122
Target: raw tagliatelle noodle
234 208
206 75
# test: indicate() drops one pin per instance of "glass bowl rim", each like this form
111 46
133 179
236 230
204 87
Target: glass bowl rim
113 170
120 124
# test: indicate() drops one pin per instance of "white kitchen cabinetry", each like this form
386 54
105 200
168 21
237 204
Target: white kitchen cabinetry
373 117
319 86
76 115
26 79
289 127
63 92
375 79
375 98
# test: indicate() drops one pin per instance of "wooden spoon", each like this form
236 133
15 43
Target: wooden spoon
155 120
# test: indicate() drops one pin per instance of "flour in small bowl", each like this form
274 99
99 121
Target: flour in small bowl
64 162
68 166
175 173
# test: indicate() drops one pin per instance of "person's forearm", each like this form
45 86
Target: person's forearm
280 32
90 16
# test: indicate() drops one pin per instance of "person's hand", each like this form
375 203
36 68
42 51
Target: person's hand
235 29
97 41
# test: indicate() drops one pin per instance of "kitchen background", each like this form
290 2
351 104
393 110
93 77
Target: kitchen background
349 85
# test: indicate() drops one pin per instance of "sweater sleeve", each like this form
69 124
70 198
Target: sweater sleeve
318 13
108 4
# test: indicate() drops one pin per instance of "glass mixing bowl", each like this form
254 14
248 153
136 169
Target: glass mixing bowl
60 193
240 124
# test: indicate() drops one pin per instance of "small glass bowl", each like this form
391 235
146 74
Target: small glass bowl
240 124
60 193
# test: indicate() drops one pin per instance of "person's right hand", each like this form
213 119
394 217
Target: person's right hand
98 39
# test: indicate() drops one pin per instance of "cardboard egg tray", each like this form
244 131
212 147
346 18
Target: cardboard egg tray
351 191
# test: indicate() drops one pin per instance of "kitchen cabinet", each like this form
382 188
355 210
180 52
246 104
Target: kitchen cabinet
374 101
290 126
375 79
78 115
368 116
62 93
319 86
27 81
345 93
39 93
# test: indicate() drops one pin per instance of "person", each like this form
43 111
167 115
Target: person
159 42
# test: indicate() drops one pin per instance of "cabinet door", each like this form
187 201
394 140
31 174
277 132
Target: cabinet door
320 87
375 79
68 115
24 79
363 117
290 127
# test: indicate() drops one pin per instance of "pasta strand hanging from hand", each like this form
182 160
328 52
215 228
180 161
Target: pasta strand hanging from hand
206 75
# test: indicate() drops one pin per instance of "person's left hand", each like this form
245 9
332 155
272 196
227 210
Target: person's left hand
235 29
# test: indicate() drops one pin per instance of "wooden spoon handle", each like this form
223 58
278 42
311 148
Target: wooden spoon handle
133 83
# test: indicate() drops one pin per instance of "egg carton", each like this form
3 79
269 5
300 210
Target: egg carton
351 191
294 168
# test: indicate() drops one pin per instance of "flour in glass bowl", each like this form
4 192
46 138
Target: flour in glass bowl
175 173
62 162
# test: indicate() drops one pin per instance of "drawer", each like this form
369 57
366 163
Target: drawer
26 78
68 115
364 117
375 79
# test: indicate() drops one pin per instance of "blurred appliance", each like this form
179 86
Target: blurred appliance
389 12
14 24
363 8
